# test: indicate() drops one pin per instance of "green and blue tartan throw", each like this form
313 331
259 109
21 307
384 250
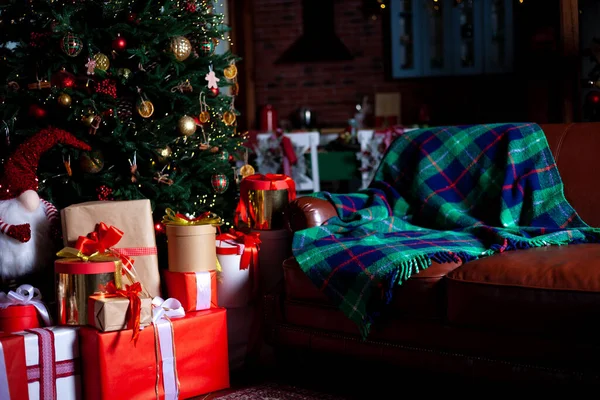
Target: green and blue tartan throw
442 194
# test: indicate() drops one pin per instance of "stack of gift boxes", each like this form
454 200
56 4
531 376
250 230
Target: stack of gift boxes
113 334
259 222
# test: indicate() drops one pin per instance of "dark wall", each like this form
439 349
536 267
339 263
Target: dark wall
331 89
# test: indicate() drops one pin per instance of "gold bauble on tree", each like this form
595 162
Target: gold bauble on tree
181 47
186 125
64 100
92 162
145 108
164 154
88 119
102 61
246 170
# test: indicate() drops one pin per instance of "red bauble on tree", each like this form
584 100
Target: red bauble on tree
119 44
593 97
220 183
63 79
37 112
213 92
132 18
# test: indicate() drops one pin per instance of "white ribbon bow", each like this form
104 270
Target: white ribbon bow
26 295
161 311
166 308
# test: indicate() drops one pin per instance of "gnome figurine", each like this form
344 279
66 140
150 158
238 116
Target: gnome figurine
26 220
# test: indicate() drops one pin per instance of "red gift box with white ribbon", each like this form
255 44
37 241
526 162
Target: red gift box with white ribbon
196 290
41 363
177 357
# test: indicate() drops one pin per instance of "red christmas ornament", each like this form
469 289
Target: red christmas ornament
213 92
220 183
132 18
104 193
63 79
119 43
159 227
37 112
593 97
109 113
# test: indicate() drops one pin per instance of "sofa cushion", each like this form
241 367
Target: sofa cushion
551 290
421 296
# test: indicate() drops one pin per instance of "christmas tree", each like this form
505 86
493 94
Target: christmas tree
141 83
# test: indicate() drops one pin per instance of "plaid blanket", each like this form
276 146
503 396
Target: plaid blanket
441 194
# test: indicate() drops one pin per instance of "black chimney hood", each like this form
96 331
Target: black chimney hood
319 41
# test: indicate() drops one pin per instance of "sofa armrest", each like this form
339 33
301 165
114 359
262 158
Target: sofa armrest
306 212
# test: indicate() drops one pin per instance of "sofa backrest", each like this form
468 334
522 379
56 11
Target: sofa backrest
576 148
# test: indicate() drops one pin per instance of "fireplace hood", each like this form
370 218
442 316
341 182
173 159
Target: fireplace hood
318 41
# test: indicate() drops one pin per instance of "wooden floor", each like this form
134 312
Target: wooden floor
354 381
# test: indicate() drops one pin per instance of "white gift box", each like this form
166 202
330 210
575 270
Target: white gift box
234 286
56 356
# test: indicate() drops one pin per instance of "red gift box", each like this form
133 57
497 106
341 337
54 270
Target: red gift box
18 318
113 368
22 309
13 378
192 289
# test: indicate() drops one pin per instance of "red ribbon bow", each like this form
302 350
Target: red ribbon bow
101 241
131 292
261 182
249 240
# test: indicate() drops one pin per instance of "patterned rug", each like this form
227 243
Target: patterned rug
273 391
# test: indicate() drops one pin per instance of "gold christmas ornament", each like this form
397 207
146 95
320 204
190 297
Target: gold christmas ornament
204 117
186 125
88 119
64 100
230 72
164 154
246 170
102 61
145 108
124 73
181 47
92 162
228 118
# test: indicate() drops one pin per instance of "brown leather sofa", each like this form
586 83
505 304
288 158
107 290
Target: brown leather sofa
531 315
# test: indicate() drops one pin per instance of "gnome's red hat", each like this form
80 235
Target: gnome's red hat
20 169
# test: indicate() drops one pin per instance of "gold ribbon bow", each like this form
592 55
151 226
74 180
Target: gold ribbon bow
206 218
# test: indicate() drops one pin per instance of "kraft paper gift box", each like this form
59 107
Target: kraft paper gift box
195 290
191 248
115 369
191 241
41 363
112 313
134 218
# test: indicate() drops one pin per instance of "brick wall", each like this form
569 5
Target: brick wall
331 89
